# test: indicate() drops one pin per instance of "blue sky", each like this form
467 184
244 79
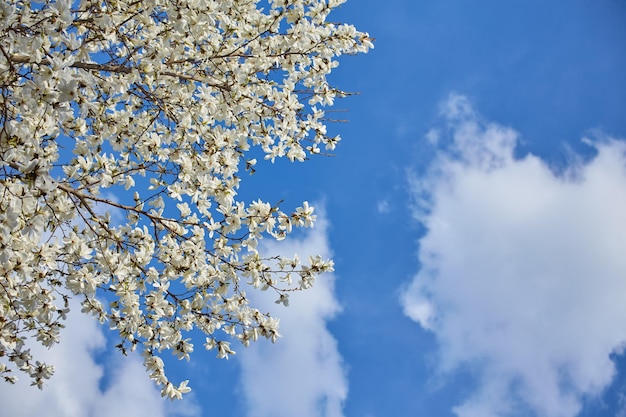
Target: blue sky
476 213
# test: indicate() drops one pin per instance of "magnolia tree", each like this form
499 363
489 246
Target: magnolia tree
165 101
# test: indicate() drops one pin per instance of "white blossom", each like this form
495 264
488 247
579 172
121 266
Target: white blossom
158 103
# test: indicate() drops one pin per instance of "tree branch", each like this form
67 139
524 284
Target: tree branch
118 68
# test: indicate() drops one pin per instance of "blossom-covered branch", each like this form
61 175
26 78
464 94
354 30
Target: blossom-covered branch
163 101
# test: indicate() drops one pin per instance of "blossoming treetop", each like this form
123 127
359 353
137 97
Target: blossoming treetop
166 99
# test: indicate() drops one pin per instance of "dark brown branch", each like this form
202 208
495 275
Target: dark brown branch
118 68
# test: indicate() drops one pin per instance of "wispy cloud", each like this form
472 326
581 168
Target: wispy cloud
302 373
383 206
79 387
522 269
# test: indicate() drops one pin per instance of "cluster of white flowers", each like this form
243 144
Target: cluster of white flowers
163 98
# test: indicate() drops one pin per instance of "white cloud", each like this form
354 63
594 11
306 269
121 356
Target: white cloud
383 206
522 270
302 373
75 388
432 136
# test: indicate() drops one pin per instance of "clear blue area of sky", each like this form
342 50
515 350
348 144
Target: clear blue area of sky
552 70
